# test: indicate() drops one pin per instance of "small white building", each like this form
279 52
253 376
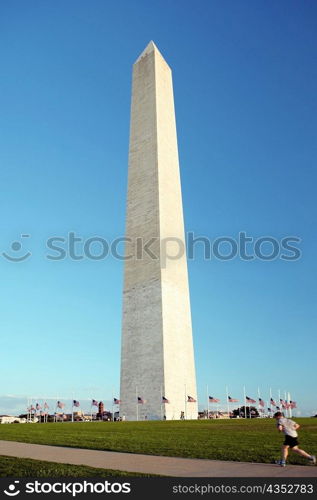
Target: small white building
9 419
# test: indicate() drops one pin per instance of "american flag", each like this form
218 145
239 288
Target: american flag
76 403
213 400
190 399
38 406
94 403
232 400
165 400
116 401
293 404
141 401
278 408
250 400
46 405
60 404
261 402
272 402
31 408
284 404
269 409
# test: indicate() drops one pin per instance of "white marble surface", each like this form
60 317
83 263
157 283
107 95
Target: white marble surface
157 346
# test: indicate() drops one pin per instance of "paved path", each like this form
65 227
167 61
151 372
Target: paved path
150 464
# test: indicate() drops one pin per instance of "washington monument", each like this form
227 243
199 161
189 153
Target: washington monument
157 356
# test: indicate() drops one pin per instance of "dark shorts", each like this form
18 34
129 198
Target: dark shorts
290 441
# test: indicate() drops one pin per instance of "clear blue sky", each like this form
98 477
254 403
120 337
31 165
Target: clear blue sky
245 95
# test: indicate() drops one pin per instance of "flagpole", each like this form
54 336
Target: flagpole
207 403
161 403
245 408
290 408
137 404
112 407
185 404
285 404
227 401
259 410
285 401
249 409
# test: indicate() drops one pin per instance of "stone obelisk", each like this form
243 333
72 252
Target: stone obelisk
157 356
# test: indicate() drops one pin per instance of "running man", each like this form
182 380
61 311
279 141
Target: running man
289 427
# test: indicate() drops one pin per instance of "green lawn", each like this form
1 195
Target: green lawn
243 440
25 467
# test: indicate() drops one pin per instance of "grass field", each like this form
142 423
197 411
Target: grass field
24 467
242 440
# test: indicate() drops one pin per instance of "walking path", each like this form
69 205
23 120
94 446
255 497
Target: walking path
150 464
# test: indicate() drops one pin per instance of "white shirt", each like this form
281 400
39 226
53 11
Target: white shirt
288 426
